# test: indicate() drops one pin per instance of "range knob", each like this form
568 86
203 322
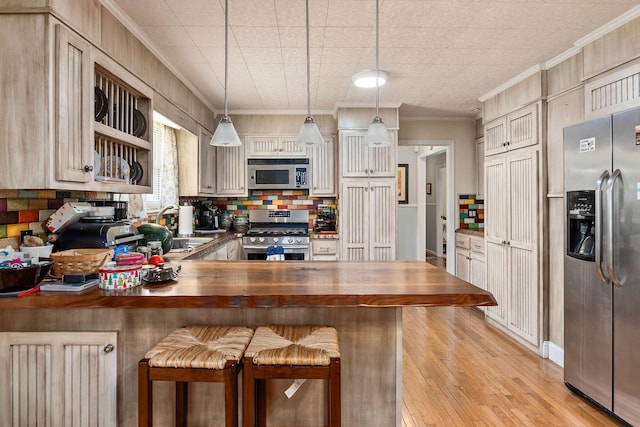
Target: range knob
252 239
290 240
298 240
275 240
261 239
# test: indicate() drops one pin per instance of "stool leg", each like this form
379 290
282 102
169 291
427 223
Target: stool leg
248 393
145 395
334 393
182 397
261 403
231 396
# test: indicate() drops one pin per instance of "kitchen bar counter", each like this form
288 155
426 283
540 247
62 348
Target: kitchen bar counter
362 300
261 284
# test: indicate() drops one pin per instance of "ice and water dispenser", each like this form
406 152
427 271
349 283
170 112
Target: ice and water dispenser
581 225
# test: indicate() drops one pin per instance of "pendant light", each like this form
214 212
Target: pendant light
309 132
377 134
225 134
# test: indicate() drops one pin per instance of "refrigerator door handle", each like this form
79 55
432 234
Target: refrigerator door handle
609 253
602 180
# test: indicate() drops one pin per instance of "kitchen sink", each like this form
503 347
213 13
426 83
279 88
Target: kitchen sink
189 242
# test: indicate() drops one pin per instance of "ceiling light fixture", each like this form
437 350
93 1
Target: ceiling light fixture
309 132
225 134
377 134
368 78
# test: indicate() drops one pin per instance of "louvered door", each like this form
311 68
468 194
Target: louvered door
231 171
58 379
382 223
207 172
354 220
511 221
323 181
522 127
522 244
74 95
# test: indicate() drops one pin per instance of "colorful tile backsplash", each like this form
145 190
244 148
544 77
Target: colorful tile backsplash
22 210
471 212
283 199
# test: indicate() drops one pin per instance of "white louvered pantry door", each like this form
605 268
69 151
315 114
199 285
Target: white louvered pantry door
382 222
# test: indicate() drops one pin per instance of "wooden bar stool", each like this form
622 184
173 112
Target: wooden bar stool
289 352
193 354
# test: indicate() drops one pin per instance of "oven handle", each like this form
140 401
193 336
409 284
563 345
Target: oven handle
285 247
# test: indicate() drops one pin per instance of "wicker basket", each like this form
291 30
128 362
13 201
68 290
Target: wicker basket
79 261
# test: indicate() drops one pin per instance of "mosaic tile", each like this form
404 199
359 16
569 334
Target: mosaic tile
3 205
13 230
47 194
17 204
27 194
9 194
3 231
27 216
44 214
55 203
37 204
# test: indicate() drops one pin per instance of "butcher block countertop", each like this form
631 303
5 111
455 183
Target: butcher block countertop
273 284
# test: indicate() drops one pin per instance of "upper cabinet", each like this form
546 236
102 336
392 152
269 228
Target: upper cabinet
515 130
207 163
77 116
480 167
273 146
361 161
231 171
323 173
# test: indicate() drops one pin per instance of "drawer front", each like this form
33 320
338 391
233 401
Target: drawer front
462 241
477 245
324 247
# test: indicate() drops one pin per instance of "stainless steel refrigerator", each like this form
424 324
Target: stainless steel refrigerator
602 262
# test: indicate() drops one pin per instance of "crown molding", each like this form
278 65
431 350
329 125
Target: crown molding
517 79
142 37
612 25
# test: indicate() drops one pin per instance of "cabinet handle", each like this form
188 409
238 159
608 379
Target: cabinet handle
88 168
108 348
508 143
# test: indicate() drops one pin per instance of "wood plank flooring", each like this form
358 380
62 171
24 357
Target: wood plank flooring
459 371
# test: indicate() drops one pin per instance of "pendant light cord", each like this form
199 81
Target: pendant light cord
377 58
226 52
308 67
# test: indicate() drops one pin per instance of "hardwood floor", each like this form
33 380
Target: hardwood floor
459 371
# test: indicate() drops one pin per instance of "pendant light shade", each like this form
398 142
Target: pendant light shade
309 133
225 134
377 134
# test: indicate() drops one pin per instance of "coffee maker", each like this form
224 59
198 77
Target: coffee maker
208 216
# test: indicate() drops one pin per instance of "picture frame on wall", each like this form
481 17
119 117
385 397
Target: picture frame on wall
428 188
403 183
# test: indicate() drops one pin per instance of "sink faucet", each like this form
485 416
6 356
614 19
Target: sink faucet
163 210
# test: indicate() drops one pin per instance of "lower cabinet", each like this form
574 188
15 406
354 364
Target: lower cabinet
324 250
230 250
58 378
470 259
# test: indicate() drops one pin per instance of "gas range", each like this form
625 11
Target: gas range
288 229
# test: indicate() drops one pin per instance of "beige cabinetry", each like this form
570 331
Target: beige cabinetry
470 259
228 251
480 167
231 171
207 163
359 161
512 221
58 378
274 146
324 249
515 130
51 76
368 219
323 170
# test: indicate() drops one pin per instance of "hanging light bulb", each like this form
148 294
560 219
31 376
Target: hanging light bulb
377 134
309 132
225 134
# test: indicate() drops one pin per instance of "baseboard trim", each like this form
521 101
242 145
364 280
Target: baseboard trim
553 352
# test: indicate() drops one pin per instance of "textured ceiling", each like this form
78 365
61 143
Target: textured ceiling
442 55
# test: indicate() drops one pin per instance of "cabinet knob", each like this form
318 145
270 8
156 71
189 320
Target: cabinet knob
88 168
108 348
508 143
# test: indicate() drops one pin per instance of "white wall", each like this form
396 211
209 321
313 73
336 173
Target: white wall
407 213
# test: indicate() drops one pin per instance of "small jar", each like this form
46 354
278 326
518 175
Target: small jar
146 251
155 248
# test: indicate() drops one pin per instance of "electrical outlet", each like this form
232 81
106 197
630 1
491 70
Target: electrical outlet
25 233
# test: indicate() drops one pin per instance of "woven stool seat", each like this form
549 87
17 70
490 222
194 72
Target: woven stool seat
202 347
290 352
293 345
193 354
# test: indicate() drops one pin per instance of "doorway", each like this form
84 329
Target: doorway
424 150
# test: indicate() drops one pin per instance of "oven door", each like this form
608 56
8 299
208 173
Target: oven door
291 253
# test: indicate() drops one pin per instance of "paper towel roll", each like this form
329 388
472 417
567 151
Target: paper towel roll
185 220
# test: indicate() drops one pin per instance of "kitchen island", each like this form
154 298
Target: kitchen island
363 300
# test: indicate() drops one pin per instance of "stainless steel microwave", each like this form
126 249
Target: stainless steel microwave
278 174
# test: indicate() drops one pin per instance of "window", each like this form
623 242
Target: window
165 168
